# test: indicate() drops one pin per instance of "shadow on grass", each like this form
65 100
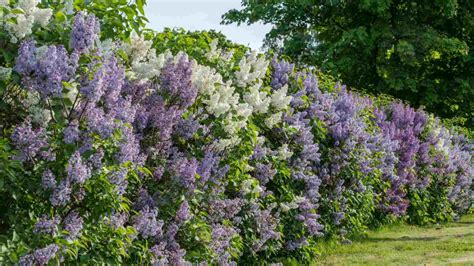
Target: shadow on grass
407 238
466 223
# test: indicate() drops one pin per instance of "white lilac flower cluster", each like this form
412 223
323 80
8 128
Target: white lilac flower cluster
294 204
221 98
252 70
217 53
251 67
26 14
258 99
145 63
36 112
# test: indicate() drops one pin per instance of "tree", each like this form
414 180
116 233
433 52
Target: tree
419 51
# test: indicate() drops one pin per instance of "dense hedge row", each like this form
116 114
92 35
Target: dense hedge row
122 151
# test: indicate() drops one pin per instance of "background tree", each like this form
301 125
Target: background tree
419 51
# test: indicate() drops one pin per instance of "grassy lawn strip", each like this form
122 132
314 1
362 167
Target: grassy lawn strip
405 244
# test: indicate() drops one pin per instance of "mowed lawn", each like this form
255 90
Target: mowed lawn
451 243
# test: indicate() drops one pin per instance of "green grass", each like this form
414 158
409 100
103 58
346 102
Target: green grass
451 243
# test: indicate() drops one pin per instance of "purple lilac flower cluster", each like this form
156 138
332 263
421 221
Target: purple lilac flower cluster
73 224
46 225
403 125
146 223
85 32
32 144
281 72
45 70
460 161
176 81
40 257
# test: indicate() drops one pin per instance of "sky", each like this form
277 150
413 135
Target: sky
203 15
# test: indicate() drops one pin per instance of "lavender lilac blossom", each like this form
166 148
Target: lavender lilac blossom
77 171
40 256
183 213
31 143
85 32
404 125
221 241
46 225
281 72
61 194
44 255
176 81
146 224
73 224
119 179
48 180
71 133
45 72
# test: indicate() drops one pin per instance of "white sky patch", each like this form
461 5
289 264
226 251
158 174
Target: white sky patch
203 15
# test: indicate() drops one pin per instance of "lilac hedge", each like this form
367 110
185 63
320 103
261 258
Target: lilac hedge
125 154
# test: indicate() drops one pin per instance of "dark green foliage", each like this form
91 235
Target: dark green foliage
10 171
419 51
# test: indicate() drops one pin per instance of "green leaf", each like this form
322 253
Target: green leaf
123 54
140 4
60 16
67 85
17 11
